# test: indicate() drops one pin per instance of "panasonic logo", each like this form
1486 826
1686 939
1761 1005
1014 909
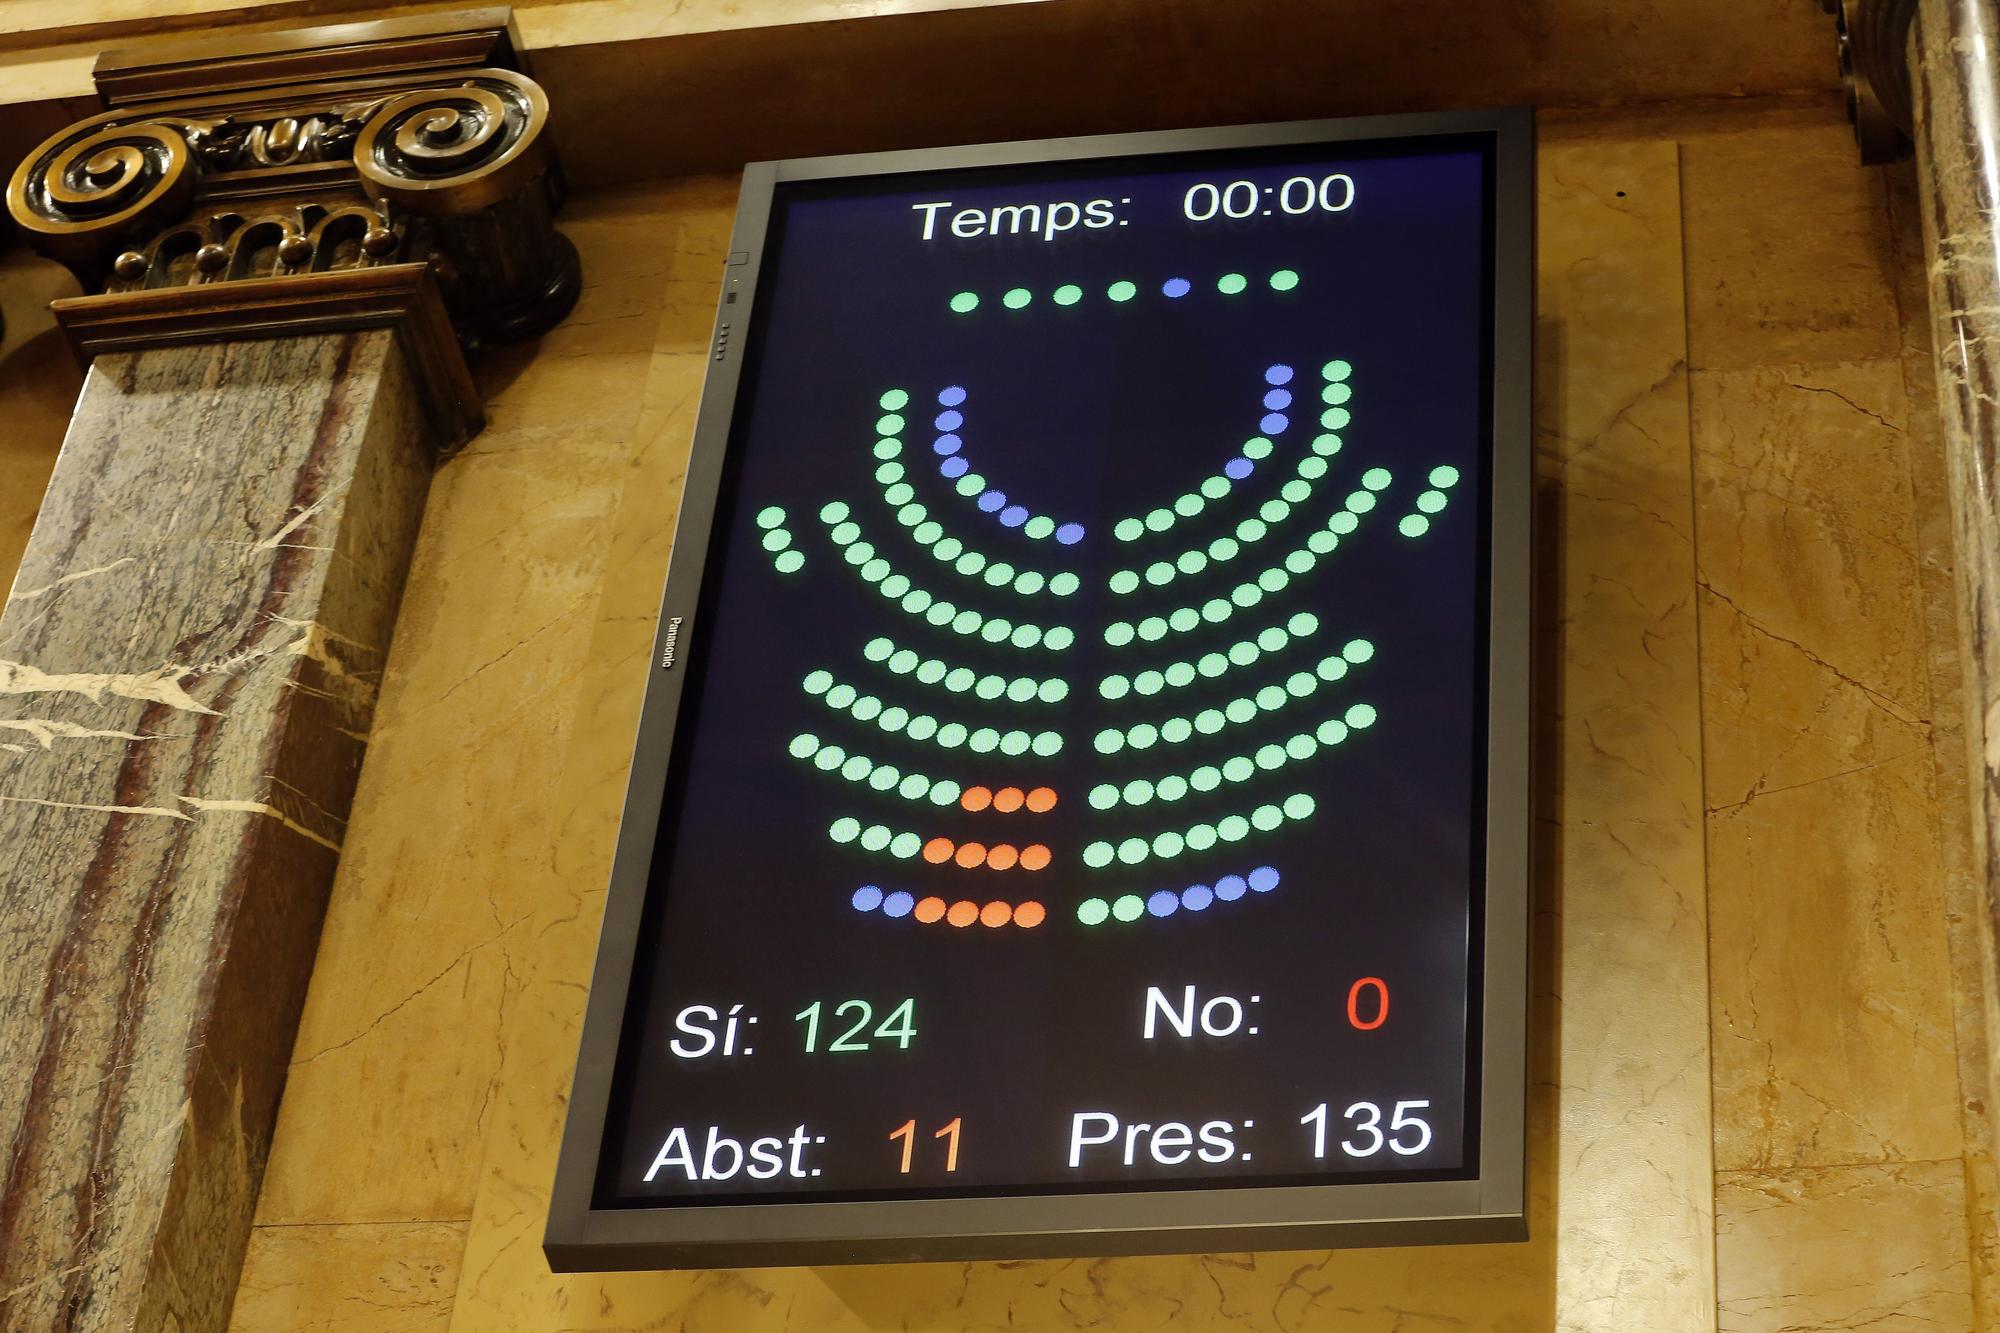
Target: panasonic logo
673 637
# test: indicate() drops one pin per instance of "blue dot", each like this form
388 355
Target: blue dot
867 898
947 444
954 467
1264 879
1069 534
949 420
1274 424
1236 469
1196 897
1013 516
1164 902
992 500
898 903
1230 887
1175 287
955 395
1278 375
1278 399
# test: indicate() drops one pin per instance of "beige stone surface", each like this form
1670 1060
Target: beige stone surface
349 1278
39 382
1877 1247
1832 973
1787 257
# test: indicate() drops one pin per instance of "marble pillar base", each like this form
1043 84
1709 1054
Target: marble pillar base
188 669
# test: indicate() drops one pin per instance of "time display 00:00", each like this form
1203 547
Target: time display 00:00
1297 196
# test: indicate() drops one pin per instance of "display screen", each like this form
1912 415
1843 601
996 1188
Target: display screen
1079 776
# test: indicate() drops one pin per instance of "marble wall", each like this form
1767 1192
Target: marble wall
1757 892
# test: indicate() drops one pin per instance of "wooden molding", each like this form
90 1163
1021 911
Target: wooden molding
400 296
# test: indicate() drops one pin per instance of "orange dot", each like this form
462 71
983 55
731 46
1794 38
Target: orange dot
1029 914
963 913
937 851
1042 800
1034 856
970 854
1007 800
930 909
976 798
1003 857
995 914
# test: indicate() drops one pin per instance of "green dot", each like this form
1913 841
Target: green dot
970 484
1246 595
1209 721
1301 747
1171 788
867 708
1040 526
1300 683
983 741
1142 736
1299 806
1266 817
1092 911
1064 584
1296 491
829 758
903 661
1360 502
1357 651
1331 669
1015 743
789 562
990 687
1343 522
965 302
1125 581
1110 741
1275 511
1180 674
1068 294
1202 837
1114 687
1187 506
1215 610
1238 769
1132 851
944 792
875 570
893 718
1121 291
819 682
1274 580
1257 448
1149 682
1302 562
1029 582
1224 548
1025 636
1215 488
1252 530
1233 828
876 838
970 563
905 845
930 671
1335 370
1361 716
1333 395
835 511
922 727
1431 501
1118 633
1168 844
1129 907
1129 530
965 622
1047 743
804 745
1103 796
844 830
1240 711
1326 445
1138 791
1413 525
1206 778
1098 855
889 425
1017 298
1021 689
771 517
1152 629
1231 283
1053 691
1191 562
1322 542
1284 280
994 630
1058 637
913 786
1375 478
1444 475
951 735
1159 520
895 400
1335 418
1212 665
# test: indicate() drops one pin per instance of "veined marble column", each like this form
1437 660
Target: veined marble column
189 657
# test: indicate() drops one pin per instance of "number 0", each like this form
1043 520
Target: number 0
1381 1004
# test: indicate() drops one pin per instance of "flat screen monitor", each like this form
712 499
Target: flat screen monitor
1081 799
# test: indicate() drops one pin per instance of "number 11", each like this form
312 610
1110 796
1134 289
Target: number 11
907 1132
